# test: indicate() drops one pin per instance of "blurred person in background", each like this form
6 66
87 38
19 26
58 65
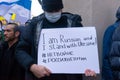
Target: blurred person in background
9 67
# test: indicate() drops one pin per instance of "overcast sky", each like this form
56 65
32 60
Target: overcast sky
36 8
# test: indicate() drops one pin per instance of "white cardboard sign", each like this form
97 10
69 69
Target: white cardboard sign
69 50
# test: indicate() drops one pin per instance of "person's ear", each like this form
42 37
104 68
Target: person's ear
17 33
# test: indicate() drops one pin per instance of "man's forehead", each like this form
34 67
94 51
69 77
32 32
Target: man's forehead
8 27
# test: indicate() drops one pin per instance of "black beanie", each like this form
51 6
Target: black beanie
51 5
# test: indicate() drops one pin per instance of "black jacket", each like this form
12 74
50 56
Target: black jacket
26 52
9 67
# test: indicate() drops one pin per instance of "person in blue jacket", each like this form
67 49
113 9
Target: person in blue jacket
107 73
114 55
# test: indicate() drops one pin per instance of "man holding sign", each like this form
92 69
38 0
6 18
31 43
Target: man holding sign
27 49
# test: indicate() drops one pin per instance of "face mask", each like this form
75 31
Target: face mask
53 17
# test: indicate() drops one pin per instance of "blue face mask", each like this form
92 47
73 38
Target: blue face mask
53 17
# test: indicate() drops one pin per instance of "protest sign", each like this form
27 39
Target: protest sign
69 50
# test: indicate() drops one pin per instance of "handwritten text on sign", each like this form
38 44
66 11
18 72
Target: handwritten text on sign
69 50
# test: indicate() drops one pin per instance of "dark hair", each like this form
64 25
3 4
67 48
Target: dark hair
16 27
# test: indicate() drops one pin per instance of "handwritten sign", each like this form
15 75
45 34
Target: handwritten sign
69 50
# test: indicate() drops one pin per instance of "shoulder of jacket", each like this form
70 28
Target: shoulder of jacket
72 16
35 20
